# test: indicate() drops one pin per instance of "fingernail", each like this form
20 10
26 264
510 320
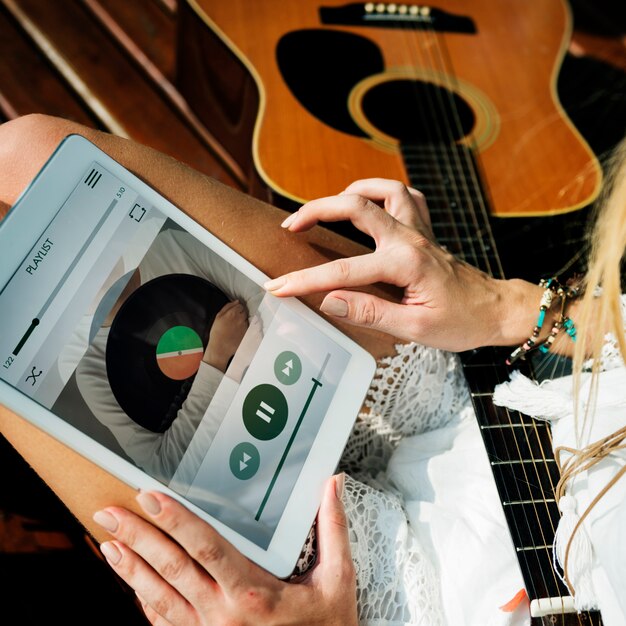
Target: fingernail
289 220
149 503
276 284
334 306
340 480
111 552
106 520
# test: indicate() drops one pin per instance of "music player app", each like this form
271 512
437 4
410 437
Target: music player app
133 331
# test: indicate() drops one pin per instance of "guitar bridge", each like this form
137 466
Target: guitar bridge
392 15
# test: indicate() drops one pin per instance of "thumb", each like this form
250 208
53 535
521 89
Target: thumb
332 528
363 309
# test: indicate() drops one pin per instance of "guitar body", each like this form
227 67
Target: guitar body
327 94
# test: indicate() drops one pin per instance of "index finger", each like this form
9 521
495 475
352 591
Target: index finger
366 215
341 273
406 204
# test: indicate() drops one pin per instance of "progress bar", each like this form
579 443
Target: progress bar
305 408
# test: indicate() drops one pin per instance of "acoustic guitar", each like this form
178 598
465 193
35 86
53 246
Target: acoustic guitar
458 99
351 89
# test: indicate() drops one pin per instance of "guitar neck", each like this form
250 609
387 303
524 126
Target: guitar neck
448 177
518 447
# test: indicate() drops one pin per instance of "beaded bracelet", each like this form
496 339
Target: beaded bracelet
552 289
565 323
544 305
562 322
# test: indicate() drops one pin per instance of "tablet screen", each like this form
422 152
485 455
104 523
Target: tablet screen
135 332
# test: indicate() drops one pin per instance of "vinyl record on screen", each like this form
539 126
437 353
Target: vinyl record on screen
156 343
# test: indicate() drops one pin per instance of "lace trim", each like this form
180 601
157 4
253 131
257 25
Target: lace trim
417 390
396 582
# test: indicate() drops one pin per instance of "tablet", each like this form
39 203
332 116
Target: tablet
134 336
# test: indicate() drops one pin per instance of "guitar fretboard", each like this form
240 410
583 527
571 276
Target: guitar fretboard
519 448
448 177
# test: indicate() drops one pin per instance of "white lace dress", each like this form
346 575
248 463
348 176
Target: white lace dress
427 532
416 486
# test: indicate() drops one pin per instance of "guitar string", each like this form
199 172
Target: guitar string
534 422
557 363
437 143
509 496
535 460
484 253
446 70
432 142
555 367
449 148
530 430
476 256
551 363
463 162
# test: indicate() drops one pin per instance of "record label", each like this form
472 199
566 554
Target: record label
179 352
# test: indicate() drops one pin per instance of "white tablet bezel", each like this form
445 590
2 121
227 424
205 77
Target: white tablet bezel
21 229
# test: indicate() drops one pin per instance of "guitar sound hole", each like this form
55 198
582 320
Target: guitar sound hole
321 67
418 112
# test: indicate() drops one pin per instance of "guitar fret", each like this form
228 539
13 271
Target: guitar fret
443 225
520 502
434 168
488 413
504 426
547 585
533 548
460 238
522 442
518 461
531 520
524 481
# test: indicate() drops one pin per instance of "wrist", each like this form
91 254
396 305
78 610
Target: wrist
215 360
516 312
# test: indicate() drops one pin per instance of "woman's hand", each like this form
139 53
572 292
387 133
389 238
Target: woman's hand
185 574
447 303
229 327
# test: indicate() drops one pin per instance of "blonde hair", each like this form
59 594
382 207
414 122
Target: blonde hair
599 314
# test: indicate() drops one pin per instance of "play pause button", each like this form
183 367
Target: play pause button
244 461
265 412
